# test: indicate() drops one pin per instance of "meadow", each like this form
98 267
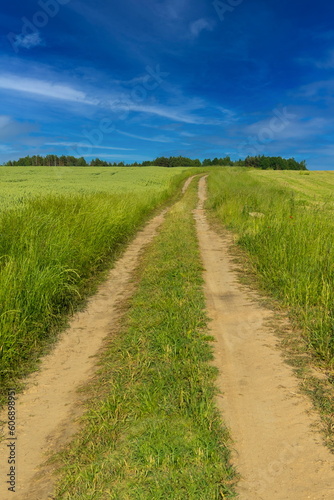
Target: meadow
316 187
284 220
58 230
18 184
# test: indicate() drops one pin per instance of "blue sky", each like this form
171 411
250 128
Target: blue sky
132 80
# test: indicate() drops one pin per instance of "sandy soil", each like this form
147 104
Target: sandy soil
48 409
276 452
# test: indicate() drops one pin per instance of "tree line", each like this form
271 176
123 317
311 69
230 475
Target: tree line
262 162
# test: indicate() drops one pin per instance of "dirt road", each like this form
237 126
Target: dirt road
277 454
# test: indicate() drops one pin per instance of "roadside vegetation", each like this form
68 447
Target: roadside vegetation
152 429
53 249
291 243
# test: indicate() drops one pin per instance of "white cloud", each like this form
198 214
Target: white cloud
198 26
6 149
295 128
180 109
160 138
320 90
187 134
172 10
10 128
82 145
170 112
112 156
326 62
44 89
4 121
28 41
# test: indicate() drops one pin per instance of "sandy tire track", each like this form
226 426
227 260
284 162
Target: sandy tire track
48 410
277 454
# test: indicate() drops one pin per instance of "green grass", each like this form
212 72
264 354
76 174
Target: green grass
18 184
291 245
315 187
52 250
152 430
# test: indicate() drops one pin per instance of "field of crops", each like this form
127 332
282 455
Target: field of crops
285 222
311 186
17 184
58 228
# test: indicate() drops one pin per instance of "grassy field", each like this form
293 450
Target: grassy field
53 246
316 187
285 221
152 430
18 184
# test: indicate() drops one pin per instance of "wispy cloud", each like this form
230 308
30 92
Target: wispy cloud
82 145
4 121
319 90
44 89
112 156
170 112
160 138
172 10
189 111
10 128
28 41
324 62
327 62
297 127
200 25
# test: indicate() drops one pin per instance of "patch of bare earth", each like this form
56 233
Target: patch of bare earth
48 410
277 453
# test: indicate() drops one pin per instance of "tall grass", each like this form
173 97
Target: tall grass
50 251
18 184
291 243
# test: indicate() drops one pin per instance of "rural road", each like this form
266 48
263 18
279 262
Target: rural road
276 453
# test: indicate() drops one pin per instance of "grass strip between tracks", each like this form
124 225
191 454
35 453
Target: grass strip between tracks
152 430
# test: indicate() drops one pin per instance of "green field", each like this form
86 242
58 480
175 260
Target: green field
313 186
17 184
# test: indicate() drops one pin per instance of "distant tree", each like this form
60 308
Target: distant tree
81 162
263 162
161 162
207 163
